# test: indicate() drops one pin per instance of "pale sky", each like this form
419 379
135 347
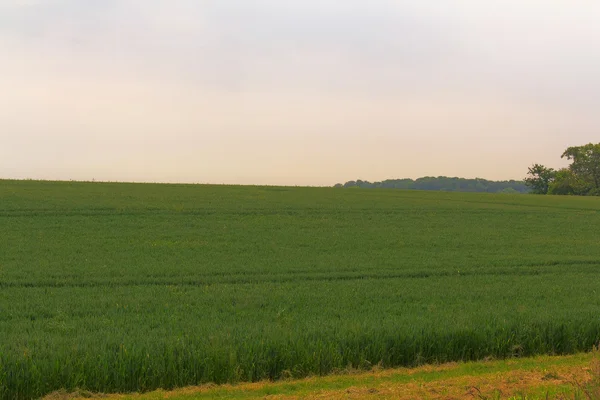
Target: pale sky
294 92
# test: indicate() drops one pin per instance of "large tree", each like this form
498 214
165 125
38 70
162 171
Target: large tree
586 165
539 178
566 183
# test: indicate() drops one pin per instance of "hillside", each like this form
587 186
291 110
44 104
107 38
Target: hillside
132 287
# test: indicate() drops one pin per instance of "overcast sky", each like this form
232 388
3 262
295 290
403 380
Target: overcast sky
294 92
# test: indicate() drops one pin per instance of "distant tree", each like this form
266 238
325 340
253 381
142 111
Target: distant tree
364 184
442 183
586 165
539 178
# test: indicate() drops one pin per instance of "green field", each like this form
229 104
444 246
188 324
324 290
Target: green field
132 287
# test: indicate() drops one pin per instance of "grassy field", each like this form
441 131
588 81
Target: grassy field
133 287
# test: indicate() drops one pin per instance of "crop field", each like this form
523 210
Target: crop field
132 287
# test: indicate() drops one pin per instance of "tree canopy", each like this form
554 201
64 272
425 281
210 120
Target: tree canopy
443 183
539 178
581 177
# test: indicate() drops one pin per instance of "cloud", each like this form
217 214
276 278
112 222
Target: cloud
315 91
537 49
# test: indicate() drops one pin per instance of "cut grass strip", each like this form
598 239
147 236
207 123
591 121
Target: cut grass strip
530 378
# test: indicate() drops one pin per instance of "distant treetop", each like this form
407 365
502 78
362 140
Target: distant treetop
443 183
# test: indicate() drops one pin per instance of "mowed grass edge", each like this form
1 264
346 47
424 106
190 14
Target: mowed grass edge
544 377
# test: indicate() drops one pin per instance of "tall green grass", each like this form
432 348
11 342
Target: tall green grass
129 287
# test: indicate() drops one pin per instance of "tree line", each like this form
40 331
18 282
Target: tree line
443 183
581 177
